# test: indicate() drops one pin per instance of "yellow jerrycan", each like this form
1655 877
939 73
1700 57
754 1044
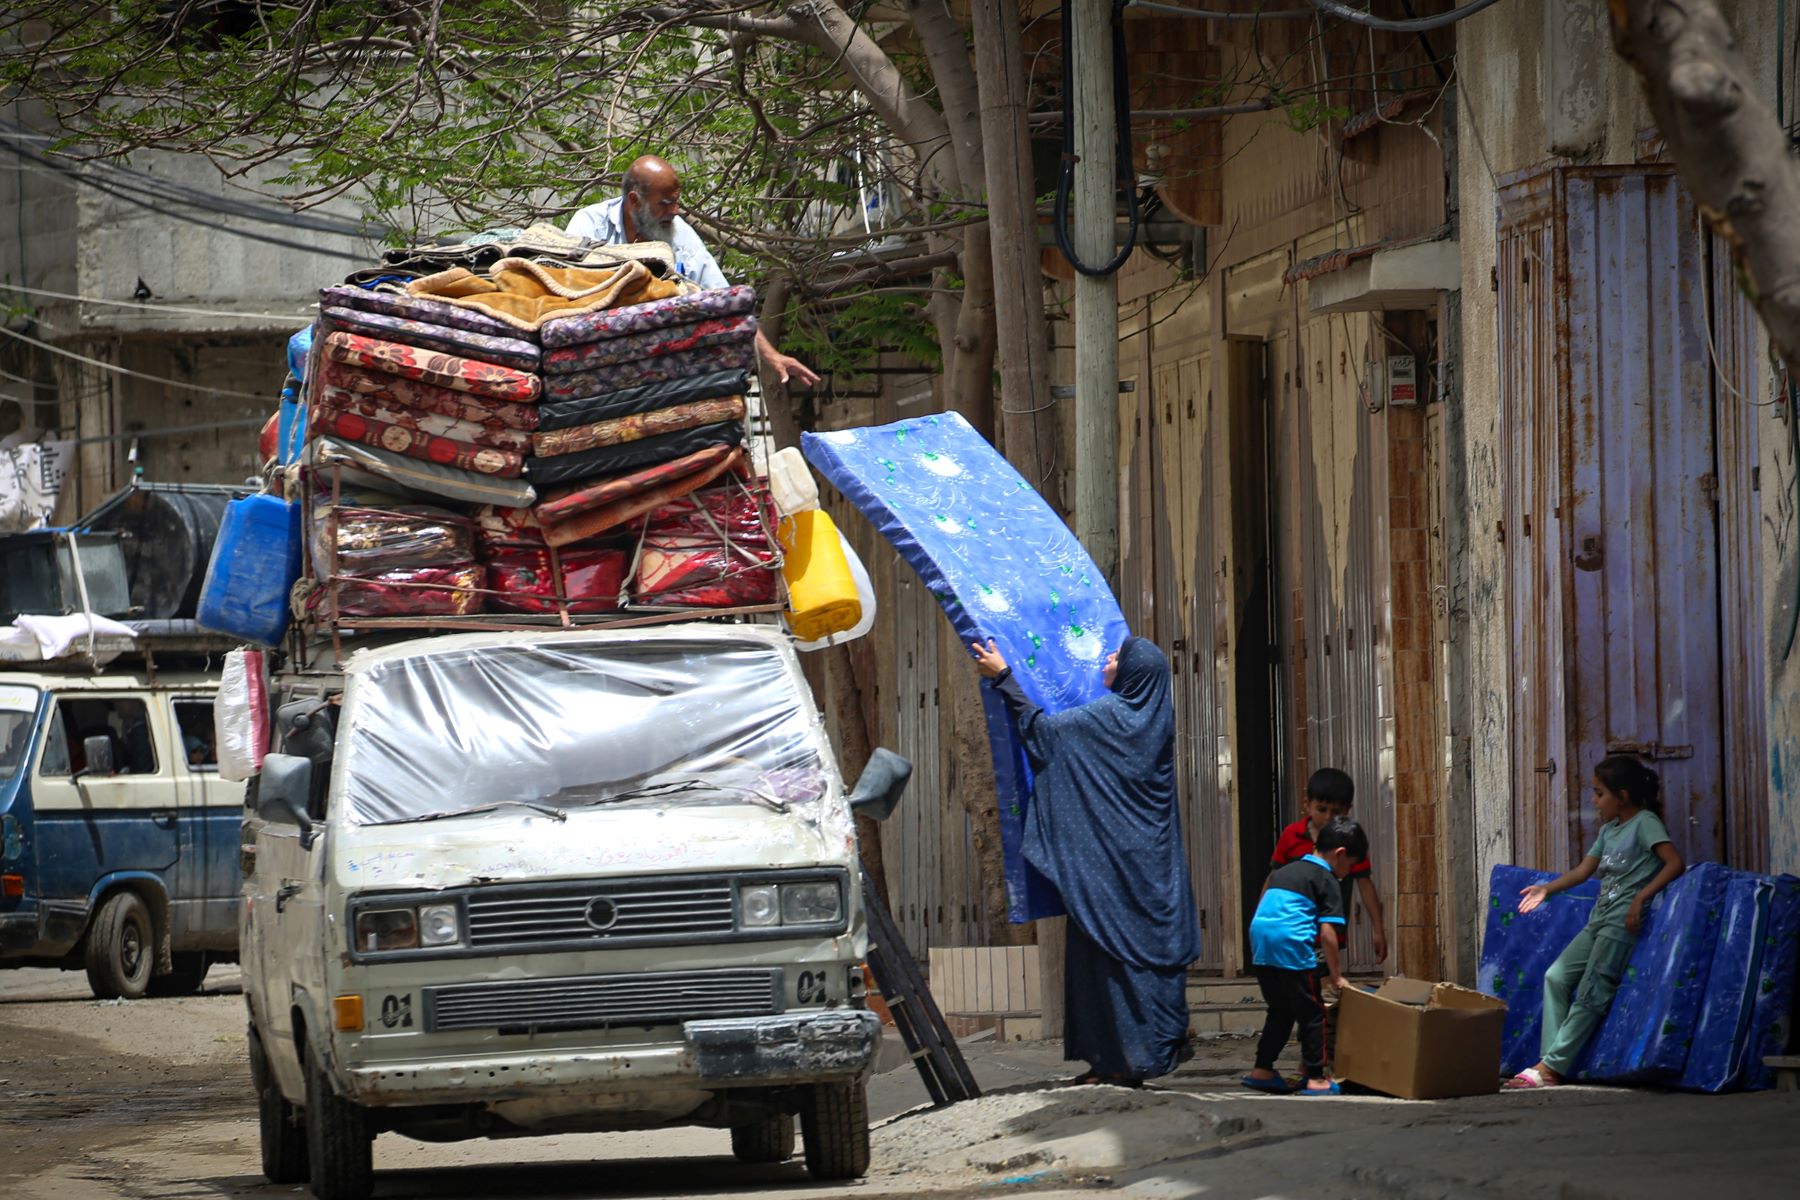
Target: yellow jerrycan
822 597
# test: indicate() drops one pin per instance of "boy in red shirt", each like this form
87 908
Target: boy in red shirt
1329 793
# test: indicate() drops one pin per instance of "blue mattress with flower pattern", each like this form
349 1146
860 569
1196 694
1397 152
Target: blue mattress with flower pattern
1002 565
1705 995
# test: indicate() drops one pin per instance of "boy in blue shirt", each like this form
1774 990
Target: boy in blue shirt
1302 908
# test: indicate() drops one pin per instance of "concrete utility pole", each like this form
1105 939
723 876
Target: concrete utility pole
1096 299
1090 42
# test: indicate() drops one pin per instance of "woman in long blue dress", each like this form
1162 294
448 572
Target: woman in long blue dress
1103 827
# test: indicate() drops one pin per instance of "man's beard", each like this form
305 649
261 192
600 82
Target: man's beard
649 229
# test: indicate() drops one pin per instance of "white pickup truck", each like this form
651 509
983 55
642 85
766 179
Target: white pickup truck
530 883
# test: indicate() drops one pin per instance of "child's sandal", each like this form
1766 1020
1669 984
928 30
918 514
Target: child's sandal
1529 1078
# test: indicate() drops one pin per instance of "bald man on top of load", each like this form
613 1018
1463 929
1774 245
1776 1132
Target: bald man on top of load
648 209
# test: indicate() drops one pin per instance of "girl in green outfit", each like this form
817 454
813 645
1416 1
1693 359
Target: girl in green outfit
1636 860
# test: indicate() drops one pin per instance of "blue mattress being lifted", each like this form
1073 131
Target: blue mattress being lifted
1705 995
1002 565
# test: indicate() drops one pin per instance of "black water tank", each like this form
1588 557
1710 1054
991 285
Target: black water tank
169 533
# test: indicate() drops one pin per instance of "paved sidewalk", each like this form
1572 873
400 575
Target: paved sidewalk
1198 1133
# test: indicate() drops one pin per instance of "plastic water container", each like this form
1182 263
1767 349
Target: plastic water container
822 598
791 482
254 565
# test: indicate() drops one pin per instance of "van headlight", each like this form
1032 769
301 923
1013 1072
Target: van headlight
407 928
810 903
807 902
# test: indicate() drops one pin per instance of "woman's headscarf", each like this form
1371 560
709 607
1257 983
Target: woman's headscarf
1104 825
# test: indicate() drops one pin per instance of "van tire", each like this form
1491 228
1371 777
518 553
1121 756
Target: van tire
282 1133
340 1146
189 973
121 948
770 1140
834 1125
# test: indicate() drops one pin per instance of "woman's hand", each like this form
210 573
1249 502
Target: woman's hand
1534 895
1634 916
988 660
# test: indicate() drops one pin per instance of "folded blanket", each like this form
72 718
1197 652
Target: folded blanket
657 314
638 426
497 527
565 503
395 392
449 591
525 579
525 294
617 460
629 506
493 435
692 573
735 512
350 540
655 343
357 465
444 370
397 439
562 414
732 356
414 308
505 351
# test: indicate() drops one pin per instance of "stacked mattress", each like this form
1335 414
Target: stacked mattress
536 438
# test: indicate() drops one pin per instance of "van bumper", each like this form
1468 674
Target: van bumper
18 934
800 1048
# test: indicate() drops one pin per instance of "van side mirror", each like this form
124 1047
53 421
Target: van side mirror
879 787
98 750
282 792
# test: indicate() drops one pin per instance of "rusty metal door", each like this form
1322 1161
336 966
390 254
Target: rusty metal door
1613 495
1189 613
1531 528
1343 507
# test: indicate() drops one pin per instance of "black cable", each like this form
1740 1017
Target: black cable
1357 16
169 190
1126 177
179 215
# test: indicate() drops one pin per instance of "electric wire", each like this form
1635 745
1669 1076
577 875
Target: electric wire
116 369
158 308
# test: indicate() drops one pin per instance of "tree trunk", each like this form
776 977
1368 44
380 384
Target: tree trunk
1026 419
1728 145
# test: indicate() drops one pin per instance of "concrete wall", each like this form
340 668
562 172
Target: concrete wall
204 353
1539 85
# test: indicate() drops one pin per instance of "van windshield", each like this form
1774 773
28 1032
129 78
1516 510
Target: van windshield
650 724
18 713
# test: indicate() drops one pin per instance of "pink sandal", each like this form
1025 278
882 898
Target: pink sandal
1530 1077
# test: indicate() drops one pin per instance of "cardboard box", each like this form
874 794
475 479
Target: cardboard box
1420 1040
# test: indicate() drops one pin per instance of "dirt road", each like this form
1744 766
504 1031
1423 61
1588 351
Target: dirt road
151 1101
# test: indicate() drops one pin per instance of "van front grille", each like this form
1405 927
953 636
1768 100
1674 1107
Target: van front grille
611 911
598 1001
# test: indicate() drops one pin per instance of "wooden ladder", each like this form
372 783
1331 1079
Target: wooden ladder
928 1040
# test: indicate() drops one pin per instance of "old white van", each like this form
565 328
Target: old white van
525 883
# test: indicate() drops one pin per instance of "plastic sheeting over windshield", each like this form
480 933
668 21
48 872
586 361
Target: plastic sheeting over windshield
650 723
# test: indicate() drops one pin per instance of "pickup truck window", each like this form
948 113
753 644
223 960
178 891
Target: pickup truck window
647 724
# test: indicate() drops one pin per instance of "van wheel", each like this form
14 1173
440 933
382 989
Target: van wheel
770 1140
340 1147
190 971
834 1124
121 948
282 1133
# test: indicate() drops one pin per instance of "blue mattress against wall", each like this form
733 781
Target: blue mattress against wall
1002 565
1706 993
1518 948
